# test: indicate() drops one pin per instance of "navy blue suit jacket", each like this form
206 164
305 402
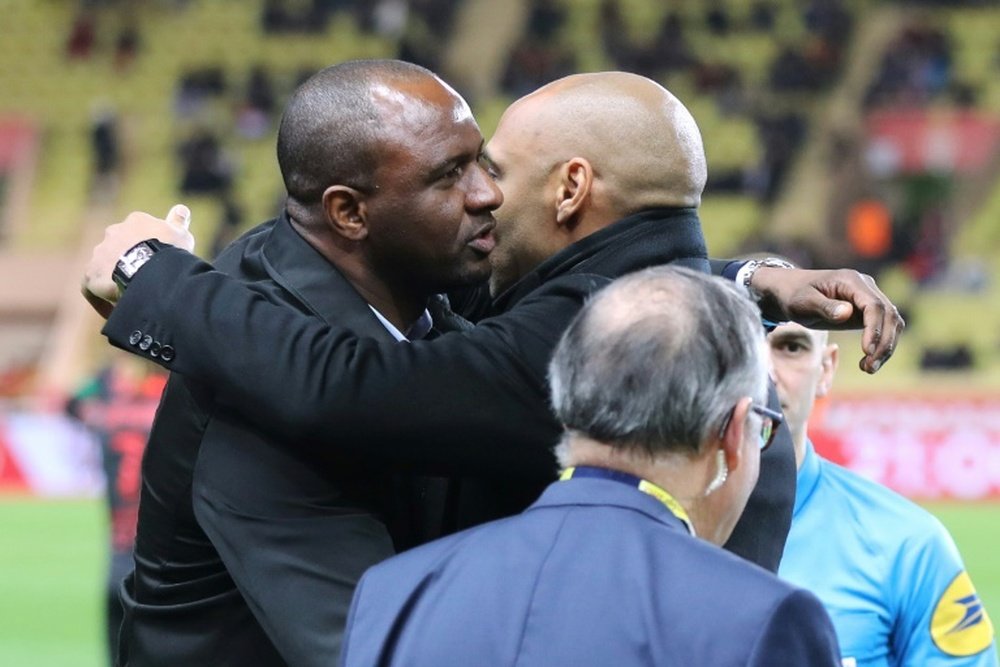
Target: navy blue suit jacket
593 573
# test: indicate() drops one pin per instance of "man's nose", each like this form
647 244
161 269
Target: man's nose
485 193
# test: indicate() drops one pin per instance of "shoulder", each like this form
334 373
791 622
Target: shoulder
574 287
876 505
434 554
250 242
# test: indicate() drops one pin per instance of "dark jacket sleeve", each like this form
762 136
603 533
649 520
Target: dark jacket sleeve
799 632
469 401
727 268
760 534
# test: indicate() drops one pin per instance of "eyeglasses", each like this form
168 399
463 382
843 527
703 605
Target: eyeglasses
770 421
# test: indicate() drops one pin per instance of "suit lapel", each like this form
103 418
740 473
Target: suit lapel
299 268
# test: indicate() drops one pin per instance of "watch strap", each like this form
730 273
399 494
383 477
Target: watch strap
132 260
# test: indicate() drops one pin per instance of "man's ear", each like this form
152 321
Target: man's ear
831 357
576 178
732 438
346 211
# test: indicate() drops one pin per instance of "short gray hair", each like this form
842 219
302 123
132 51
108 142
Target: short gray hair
656 360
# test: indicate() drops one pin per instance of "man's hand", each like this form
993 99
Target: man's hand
833 299
98 287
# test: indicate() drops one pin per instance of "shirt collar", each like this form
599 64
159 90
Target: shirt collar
807 477
419 329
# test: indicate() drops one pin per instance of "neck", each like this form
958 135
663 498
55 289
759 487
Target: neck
682 475
400 304
799 437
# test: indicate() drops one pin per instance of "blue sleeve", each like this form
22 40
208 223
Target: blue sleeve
726 268
940 617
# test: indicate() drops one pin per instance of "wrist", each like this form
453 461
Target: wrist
745 276
132 260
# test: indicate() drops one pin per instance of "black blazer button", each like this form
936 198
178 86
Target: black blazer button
167 353
135 337
146 341
154 349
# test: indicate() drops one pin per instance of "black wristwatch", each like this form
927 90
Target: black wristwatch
132 260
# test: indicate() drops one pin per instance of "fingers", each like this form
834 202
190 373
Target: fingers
882 327
180 215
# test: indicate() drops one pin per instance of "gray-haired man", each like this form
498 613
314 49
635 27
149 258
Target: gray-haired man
664 424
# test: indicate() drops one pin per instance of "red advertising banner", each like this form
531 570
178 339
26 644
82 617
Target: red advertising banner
17 138
915 140
927 448
11 478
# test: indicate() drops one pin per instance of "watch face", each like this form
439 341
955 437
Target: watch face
134 259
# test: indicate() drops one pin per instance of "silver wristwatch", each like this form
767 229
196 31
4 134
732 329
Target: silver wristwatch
745 275
133 259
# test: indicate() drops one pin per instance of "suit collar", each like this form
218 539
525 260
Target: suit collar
299 268
584 492
648 238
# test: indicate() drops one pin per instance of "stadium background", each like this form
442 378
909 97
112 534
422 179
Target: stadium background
838 132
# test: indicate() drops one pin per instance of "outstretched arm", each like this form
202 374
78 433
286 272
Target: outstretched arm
833 299
466 400
826 299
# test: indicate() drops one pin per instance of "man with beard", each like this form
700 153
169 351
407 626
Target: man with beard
604 174
246 554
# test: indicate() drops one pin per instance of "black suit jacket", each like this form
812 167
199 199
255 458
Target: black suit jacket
247 554
471 403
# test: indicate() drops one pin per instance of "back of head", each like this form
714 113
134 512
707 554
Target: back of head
642 141
329 131
657 360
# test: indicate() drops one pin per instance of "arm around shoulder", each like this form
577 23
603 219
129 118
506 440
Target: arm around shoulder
314 384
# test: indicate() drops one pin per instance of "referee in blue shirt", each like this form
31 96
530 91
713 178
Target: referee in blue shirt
886 570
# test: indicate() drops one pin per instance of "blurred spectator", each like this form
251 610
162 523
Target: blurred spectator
126 45
717 19
117 406
869 229
229 224
869 232
780 136
106 150
956 357
809 67
762 16
546 18
196 87
440 14
829 20
303 16
668 51
254 117
420 44
206 170
533 63
80 42
916 68
389 18
538 57
614 32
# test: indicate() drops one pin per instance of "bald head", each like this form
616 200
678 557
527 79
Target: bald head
330 130
642 142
